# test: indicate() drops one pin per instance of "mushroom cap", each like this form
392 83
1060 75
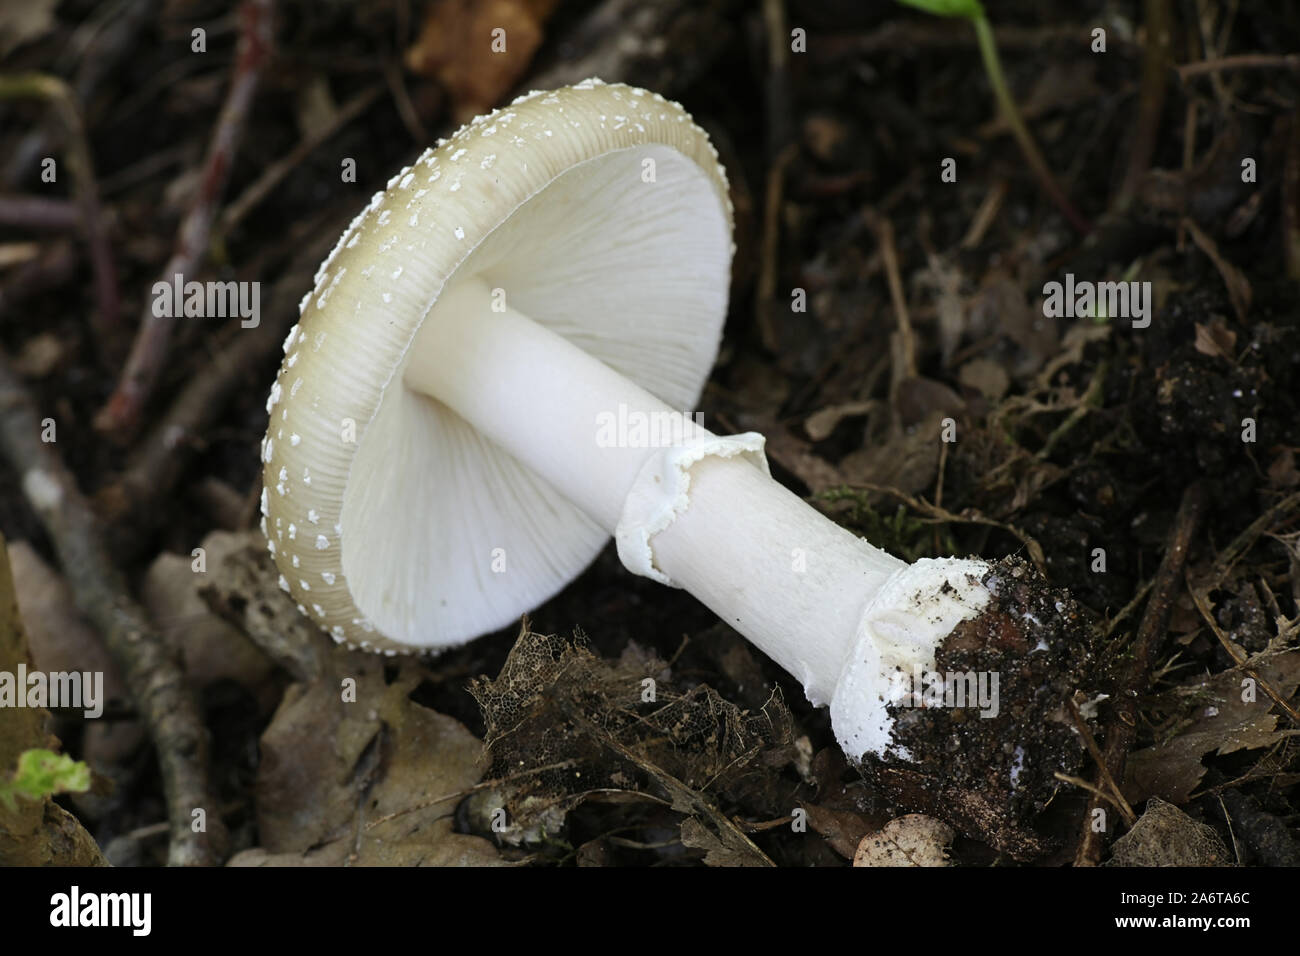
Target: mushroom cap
605 212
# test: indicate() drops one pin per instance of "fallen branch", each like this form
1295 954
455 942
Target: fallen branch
152 669
161 456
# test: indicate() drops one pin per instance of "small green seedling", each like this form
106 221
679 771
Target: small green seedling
43 773
974 12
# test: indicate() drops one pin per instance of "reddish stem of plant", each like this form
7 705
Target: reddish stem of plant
121 414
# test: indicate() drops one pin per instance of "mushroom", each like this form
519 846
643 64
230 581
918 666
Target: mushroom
486 383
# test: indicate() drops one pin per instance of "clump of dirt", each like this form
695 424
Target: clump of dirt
990 769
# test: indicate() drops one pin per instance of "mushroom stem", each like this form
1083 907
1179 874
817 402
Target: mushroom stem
531 391
707 517
792 581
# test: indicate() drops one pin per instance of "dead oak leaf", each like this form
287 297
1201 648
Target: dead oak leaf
338 756
1215 339
1282 471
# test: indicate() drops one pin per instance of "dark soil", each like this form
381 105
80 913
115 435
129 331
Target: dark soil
1076 438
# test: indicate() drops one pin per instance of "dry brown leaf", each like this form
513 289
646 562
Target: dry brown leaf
917 397
331 766
986 376
433 845
912 840
458 47
61 639
1165 836
718 850
843 829
907 462
1224 723
1215 339
1238 285
211 649
23 22
796 456
999 308
1282 471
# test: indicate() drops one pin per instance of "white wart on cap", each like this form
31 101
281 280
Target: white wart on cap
600 212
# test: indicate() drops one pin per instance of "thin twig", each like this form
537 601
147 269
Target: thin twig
402 100
938 488
781 152
54 91
1092 399
1246 61
1087 785
38 214
1200 599
1090 742
1127 609
1151 99
765 290
1239 545
1189 132
151 667
275 173
1151 633
904 366
1011 113
162 454
1291 196
484 785
986 215
121 414
968 516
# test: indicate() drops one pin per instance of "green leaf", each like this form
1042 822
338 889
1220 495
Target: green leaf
43 773
970 9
